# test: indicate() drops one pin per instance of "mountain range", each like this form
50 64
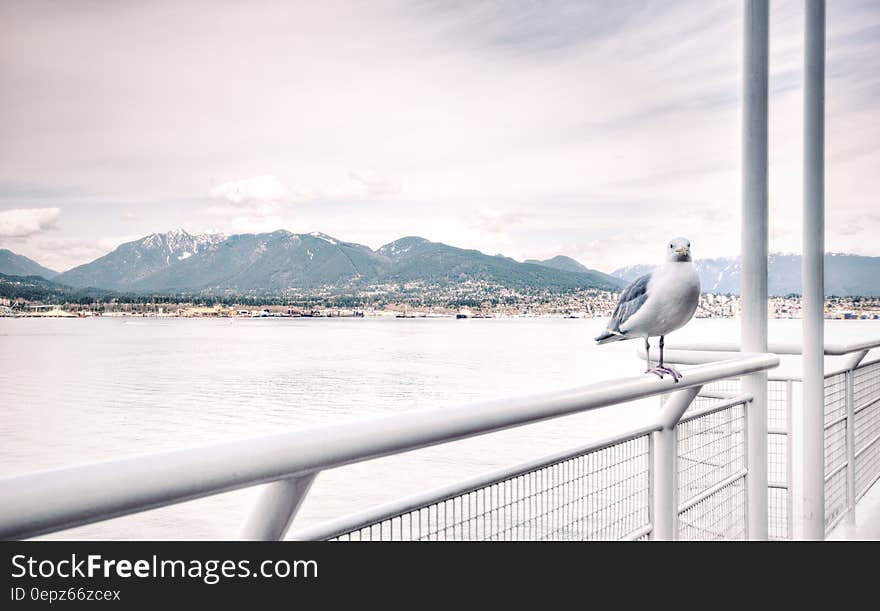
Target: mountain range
134 263
12 264
281 261
37 288
561 262
844 274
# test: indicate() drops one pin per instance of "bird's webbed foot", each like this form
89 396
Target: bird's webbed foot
660 372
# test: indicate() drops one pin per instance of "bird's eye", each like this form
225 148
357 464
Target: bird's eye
670 246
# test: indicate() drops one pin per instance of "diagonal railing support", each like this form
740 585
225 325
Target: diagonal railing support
275 509
853 360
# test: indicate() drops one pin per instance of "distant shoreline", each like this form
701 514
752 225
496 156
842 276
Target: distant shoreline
391 315
600 305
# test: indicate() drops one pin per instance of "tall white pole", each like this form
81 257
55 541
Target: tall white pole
755 237
813 273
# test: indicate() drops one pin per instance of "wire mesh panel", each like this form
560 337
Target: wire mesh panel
777 405
711 475
602 494
866 399
721 516
778 450
731 385
777 468
836 422
779 513
711 448
835 397
779 459
867 384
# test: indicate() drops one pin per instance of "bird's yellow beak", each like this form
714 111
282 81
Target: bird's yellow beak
681 250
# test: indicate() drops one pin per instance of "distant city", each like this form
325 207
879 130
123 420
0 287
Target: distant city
465 303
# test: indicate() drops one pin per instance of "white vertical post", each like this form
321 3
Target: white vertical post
813 272
276 508
797 466
852 361
665 497
754 247
850 449
789 454
664 508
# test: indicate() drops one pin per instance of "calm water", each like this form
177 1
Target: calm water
76 391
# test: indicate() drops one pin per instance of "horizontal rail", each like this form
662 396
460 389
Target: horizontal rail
705 494
396 508
685 356
697 353
830 475
859 409
639 533
828 374
868 445
844 369
835 421
868 486
48 501
717 394
831 349
737 399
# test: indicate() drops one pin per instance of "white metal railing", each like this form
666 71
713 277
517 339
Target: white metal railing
596 491
603 490
627 486
851 428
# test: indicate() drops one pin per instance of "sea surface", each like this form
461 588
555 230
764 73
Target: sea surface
82 390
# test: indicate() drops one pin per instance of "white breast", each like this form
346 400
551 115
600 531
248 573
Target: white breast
673 295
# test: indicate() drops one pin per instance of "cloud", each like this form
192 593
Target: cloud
359 184
497 221
264 202
259 190
372 183
24 222
253 204
62 254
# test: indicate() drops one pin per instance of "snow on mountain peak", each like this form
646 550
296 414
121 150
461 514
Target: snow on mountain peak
323 236
179 243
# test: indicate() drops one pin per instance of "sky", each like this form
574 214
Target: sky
597 130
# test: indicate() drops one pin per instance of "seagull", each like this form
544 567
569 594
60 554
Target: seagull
657 304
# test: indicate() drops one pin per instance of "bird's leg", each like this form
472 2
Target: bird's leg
661 353
676 374
662 369
647 355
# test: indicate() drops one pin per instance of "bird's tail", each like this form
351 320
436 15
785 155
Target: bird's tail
610 336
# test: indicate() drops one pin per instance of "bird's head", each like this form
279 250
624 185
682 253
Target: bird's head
678 250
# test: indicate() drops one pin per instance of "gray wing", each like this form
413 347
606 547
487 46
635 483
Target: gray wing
631 300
